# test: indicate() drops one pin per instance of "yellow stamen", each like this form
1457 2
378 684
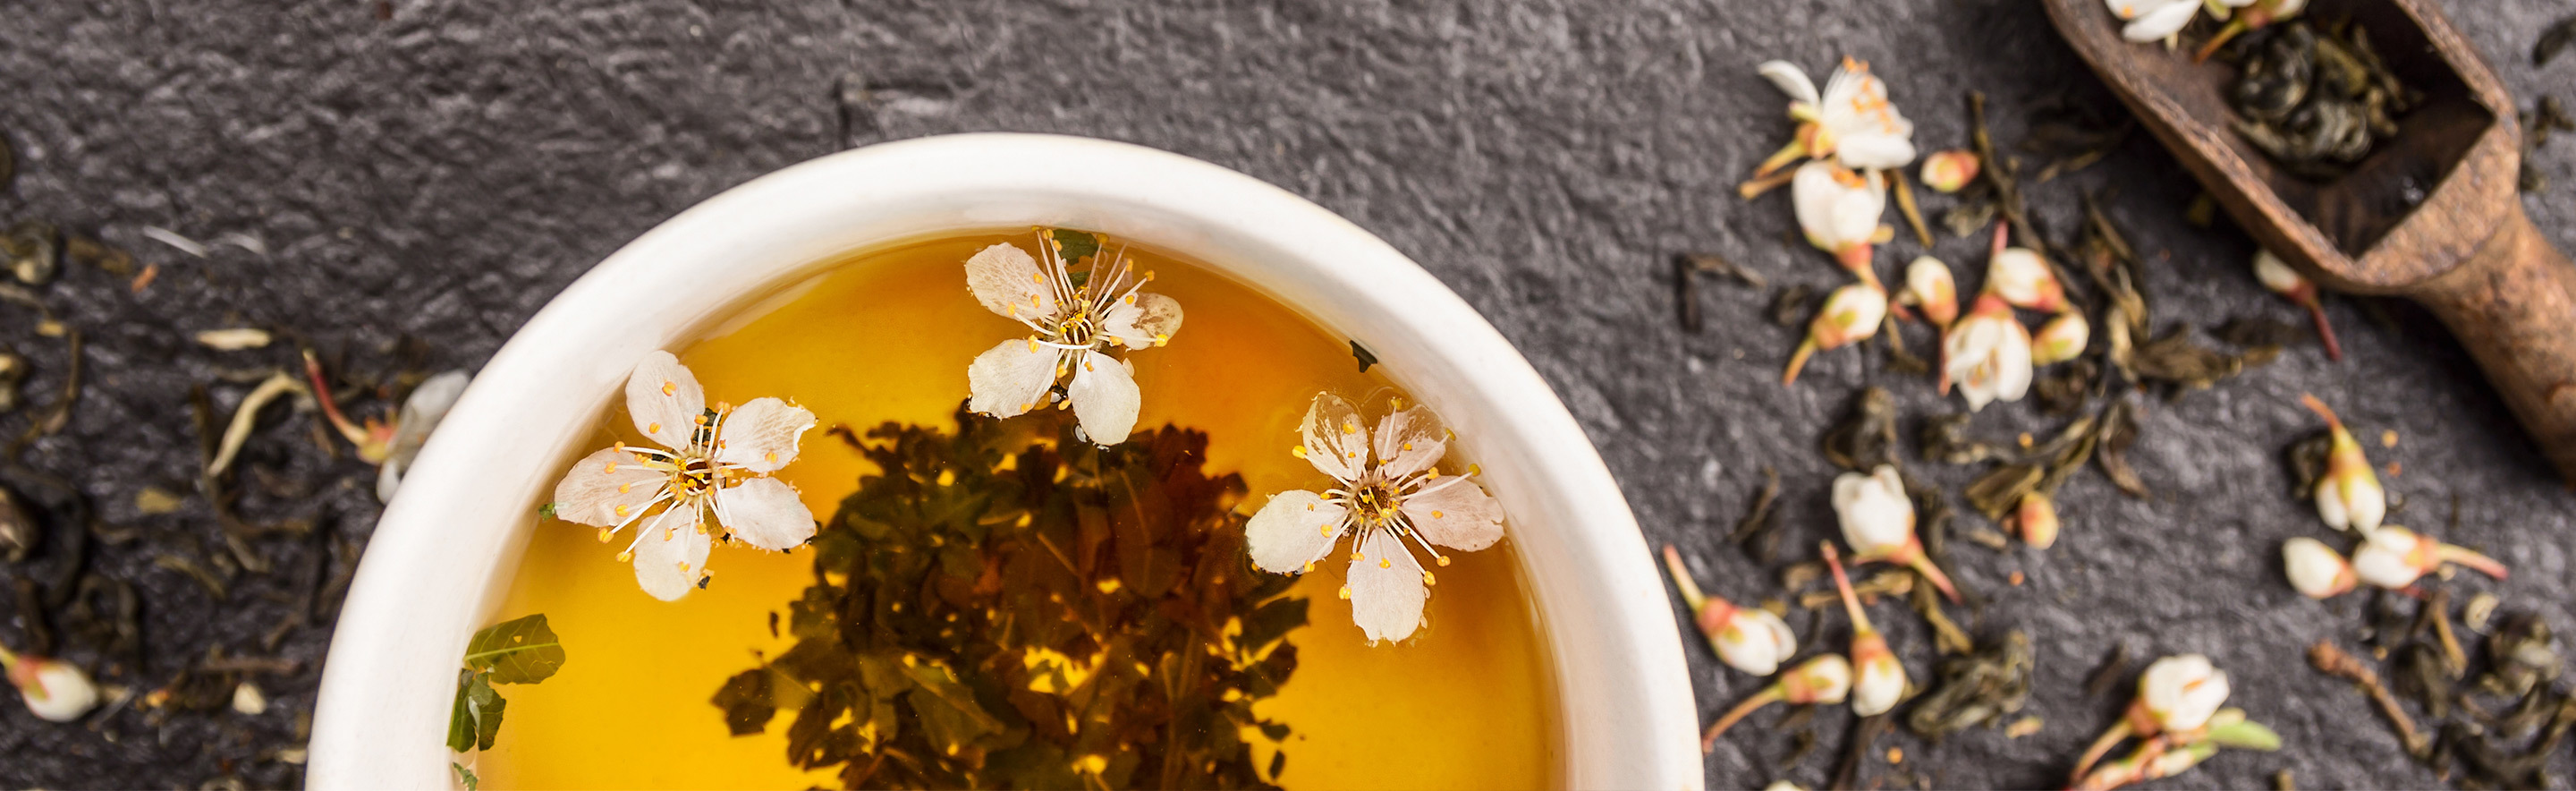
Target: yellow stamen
1356 556
771 457
627 556
1299 451
1385 563
604 533
1427 579
652 428
1437 515
612 467
1346 592
624 488
670 387
1309 569
1443 560
621 509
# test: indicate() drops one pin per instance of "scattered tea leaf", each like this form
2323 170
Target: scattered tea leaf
155 501
1978 689
2553 40
1945 439
2119 431
1867 438
1753 531
1997 492
516 651
1789 304
233 340
2113 669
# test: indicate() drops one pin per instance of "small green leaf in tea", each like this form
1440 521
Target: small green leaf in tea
520 651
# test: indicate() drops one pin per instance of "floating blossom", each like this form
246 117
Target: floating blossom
710 460
1852 314
1877 679
1825 679
1850 122
1987 353
2348 497
1751 640
1878 522
1838 210
2176 697
55 690
2393 557
1389 491
2315 570
2281 279
2061 339
2153 20
1928 286
2024 280
1950 171
1075 323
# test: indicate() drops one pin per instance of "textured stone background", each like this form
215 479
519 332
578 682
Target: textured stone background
439 171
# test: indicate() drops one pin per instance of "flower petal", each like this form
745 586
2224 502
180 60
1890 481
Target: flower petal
1008 281
1409 441
422 410
665 400
1790 80
2163 21
761 436
607 489
1336 443
1011 377
1142 320
766 513
671 554
1386 588
1456 513
1104 397
1874 151
1295 528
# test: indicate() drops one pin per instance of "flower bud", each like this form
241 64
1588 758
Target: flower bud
2315 570
1878 679
2036 519
1824 679
2179 693
2281 279
2023 278
2061 339
1747 639
2348 497
1852 314
1988 354
2393 557
1877 520
1949 171
55 690
1928 286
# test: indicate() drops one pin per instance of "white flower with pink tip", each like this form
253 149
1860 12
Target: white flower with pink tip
1075 323
709 462
1388 491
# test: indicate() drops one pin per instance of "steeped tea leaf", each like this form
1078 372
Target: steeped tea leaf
1007 605
519 651
476 718
1073 245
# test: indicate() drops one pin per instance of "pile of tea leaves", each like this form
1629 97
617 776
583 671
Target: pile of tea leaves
1002 608
2315 98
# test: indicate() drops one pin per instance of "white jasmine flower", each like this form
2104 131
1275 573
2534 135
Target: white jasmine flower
1878 680
2348 497
1852 314
2179 693
1988 354
1747 639
55 690
2281 279
2315 570
2394 557
421 412
1388 492
1825 679
1838 209
2153 20
2061 339
1878 522
2024 280
715 461
1851 121
1928 286
1076 324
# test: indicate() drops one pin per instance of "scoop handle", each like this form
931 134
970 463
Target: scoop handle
2513 305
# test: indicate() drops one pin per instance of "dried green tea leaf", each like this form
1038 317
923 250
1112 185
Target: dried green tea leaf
1947 637
476 718
517 651
1867 438
2245 735
2553 40
1997 492
2117 432
2307 460
1977 689
1789 304
1753 532
1945 439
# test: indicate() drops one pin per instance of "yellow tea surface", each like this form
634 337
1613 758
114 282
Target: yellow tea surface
886 336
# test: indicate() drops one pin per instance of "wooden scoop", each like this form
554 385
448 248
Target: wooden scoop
2431 214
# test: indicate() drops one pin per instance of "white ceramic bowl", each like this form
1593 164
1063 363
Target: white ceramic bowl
441 555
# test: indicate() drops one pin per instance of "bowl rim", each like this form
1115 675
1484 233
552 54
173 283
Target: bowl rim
1627 716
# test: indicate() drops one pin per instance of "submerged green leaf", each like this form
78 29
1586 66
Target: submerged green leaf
466 776
476 718
519 651
745 700
1073 245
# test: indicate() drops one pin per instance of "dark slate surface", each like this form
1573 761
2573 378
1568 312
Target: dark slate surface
440 172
